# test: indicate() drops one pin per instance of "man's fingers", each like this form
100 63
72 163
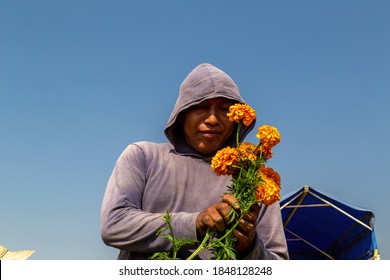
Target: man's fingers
250 217
231 200
214 221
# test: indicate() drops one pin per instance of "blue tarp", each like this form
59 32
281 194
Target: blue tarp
319 226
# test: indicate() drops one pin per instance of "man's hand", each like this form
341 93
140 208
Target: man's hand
216 218
246 231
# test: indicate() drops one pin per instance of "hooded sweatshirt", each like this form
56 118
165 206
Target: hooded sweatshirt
150 178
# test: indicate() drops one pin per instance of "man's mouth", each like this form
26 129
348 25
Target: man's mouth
209 134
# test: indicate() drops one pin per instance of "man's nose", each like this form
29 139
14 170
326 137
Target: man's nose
212 118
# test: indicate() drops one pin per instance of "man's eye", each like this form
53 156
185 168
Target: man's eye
224 110
200 107
226 107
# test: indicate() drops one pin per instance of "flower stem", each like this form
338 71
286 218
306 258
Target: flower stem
238 134
227 233
201 246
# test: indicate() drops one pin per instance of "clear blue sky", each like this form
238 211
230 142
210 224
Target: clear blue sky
79 80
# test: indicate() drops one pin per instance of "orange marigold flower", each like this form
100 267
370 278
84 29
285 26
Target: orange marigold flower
269 191
224 161
241 112
266 152
268 135
247 151
270 173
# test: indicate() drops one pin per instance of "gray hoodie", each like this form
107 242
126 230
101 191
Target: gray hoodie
150 178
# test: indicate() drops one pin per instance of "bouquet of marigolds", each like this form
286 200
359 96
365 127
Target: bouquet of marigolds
252 182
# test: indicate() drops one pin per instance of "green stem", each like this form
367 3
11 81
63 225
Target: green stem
174 253
207 236
201 246
227 233
238 133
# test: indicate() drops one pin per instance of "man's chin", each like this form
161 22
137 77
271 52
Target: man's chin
208 152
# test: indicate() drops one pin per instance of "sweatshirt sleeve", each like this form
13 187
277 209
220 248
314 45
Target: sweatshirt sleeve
124 225
271 242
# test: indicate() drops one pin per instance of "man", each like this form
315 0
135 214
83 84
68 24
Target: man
150 178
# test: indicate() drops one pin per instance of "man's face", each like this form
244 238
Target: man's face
206 126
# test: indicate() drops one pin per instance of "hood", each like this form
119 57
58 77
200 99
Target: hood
203 82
